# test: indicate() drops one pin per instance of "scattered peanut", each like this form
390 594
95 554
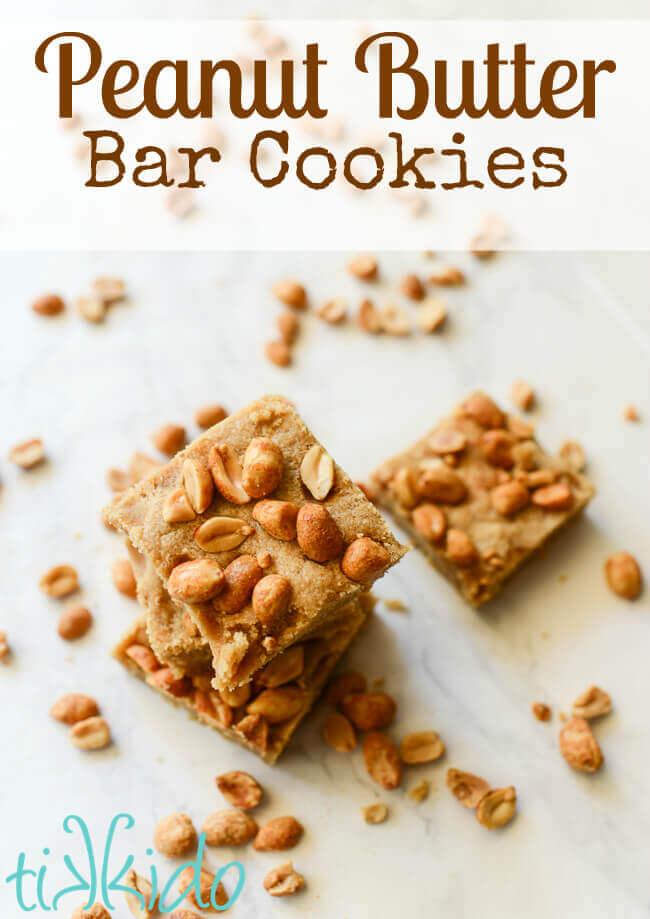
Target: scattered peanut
291 293
363 267
278 352
343 685
175 836
135 903
90 734
369 710
338 733
278 834
466 787
59 581
432 313
240 577
541 711
497 807
240 789
91 308
124 578
48 305
369 317
74 707
382 760
28 454
74 622
447 276
169 438
211 414
412 287
623 575
229 828
592 703
579 747
283 881
4 646
420 792
288 325
522 395
421 747
375 813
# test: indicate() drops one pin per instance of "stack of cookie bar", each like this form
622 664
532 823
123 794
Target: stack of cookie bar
253 553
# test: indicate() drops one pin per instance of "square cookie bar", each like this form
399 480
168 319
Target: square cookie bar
257 534
479 496
263 714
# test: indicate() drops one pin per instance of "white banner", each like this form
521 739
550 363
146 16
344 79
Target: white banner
540 133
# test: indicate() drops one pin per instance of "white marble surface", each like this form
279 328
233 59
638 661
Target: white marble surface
192 332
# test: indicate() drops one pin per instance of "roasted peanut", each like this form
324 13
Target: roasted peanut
278 518
262 467
318 534
364 560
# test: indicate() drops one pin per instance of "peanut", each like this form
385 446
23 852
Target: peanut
278 834
59 581
74 707
175 836
522 394
592 703
382 760
447 440
284 668
412 287
541 711
403 486
623 575
510 498
196 581
466 787
143 657
134 903
278 518
271 598
90 734
557 497
177 507
363 267
240 789
283 881
291 293
369 710
227 473
28 454
318 534
220 534
430 522
338 733
460 548
364 560
432 313
208 415
124 578
317 472
497 445
198 485
497 807
204 884
169 438
229 828
369 317
165 680
483 410
421 747
262 467
278 352
333 311
441 484
74 622
48 305
240 577
277 705
96 911
288 325
579 747
375 813
447 276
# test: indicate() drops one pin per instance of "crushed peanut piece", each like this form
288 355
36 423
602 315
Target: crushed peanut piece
395 606
432 313
522 395
375 813
283 881
420 792
333 311
541 711
592 703
466 787
497 807
630 413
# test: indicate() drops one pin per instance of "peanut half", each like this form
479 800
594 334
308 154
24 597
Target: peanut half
240 789
592 703
283 881
135 903
497 807
375 813
421 747
227 473
169 438
28 454
177 507
74 707
278 518
124 578
382 760
579 747
198 485
369 710
317 472
90 734
219 534
466 787
59 581
338 733
277 705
